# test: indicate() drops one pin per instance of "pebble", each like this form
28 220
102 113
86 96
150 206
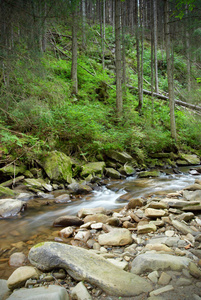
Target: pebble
164 279
164 289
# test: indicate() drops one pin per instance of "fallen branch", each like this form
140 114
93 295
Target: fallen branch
165 98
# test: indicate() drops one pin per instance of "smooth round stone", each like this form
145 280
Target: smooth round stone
169 233
18 259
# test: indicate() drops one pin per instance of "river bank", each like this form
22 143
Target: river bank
128 189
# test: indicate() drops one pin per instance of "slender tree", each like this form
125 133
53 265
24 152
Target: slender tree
119 104
74 53
170 72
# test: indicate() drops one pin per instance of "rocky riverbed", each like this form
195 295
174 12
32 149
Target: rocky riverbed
149 249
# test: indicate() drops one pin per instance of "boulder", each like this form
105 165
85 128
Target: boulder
57 166
39 183
112 173
4 290
93 168
65 221
127 170
65 198
153 261
133 203
12 171
11 207
183 228
83 265
116 237
78 188
121 157
146 174
190 159
52 292
20 275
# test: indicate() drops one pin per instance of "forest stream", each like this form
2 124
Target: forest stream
35 224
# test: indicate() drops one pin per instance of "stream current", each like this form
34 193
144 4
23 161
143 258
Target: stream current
35 224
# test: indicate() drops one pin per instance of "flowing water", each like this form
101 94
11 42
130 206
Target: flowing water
35 224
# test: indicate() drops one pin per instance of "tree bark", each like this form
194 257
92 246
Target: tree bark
155 44
74 55
119 104
170 73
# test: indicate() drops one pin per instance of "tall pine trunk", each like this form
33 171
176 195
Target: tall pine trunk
170 72
118 57
74 55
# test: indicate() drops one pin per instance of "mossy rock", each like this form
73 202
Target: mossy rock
11 170
121 157
146 174
127 170
6 192
160 155
58 166
93 168
189 159
112 173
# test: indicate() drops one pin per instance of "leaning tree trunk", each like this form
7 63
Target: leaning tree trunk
170 72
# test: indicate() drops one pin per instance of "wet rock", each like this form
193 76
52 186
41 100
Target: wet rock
62 199
93 168
91 211
193 187
147 174
18 259
154 213
11 207
112 173
53 292
20 275
98 218
146 228
25 196
154 261
66 221
133 203
78 188
66 232
82 265
116 237
79 292
13 171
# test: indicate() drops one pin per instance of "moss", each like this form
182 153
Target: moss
38 245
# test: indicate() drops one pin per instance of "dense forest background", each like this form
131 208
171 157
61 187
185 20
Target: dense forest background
88 76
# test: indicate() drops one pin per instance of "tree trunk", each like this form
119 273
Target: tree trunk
83 24
123 6
118 57
170 72
155 44
74 55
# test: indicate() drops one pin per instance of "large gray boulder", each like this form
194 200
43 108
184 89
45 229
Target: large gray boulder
11 207
82 264
53 292
58 166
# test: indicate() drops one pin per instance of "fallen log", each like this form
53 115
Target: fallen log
165 98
